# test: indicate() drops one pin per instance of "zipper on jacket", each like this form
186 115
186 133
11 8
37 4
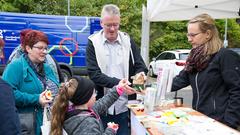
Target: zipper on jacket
214 105
196 83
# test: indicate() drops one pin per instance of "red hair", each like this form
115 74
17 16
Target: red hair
2 42
23 34
32 37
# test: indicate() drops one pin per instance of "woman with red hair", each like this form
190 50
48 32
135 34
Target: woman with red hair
2 58
30 77
19 50
1 42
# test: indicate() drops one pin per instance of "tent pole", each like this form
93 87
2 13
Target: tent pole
145 36
225 42
68 7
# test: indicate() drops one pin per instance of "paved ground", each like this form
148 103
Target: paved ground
186 93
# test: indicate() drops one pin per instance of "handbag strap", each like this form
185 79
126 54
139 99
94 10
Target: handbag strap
46 114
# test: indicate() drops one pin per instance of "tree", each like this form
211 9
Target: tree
163 35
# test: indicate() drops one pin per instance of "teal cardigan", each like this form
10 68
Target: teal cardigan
27 87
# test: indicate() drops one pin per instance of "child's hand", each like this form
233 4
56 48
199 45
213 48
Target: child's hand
123 83
123 87
113 126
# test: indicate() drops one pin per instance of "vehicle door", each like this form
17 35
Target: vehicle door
162 61
168 60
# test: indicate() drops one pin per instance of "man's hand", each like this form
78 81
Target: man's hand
143 74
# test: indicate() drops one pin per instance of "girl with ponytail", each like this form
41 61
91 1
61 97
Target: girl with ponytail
82 116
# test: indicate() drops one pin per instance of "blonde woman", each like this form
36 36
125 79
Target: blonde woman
213 73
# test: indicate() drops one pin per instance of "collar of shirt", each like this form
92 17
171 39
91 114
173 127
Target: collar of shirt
118 40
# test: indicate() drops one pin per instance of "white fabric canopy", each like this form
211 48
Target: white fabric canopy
176 10
171 10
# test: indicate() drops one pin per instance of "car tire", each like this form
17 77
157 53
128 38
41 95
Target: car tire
151 72
66 75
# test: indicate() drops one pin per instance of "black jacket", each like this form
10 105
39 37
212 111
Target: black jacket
216 89
102 80
10 124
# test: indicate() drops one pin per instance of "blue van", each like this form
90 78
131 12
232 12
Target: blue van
68 37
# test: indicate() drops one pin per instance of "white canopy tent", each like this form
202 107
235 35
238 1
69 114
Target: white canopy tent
176 10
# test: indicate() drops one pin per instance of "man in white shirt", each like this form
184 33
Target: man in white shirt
111 56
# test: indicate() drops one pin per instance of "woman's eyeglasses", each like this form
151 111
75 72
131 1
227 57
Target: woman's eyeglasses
41 48
192 35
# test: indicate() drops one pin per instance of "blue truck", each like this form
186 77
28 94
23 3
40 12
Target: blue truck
68 36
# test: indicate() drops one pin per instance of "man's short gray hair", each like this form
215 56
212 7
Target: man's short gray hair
111 10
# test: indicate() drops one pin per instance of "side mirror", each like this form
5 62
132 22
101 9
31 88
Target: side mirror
154 59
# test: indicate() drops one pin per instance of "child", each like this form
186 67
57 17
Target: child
84 118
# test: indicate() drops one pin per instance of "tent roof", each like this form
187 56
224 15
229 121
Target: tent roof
177 10
173 10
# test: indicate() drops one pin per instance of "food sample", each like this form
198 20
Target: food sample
48 95
138 82
112 125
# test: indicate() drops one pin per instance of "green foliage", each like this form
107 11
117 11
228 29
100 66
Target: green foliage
163 35
167 36
233 34
7 6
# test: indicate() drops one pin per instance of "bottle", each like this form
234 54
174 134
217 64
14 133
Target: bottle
149 100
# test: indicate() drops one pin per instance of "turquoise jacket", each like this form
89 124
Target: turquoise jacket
27 87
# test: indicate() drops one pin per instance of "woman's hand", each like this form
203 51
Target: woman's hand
43 100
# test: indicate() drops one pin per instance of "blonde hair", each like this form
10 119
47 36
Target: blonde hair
60 106
110 10
206 22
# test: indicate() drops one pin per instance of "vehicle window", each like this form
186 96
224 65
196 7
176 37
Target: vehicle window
169 56
173 56
161 56
183 56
